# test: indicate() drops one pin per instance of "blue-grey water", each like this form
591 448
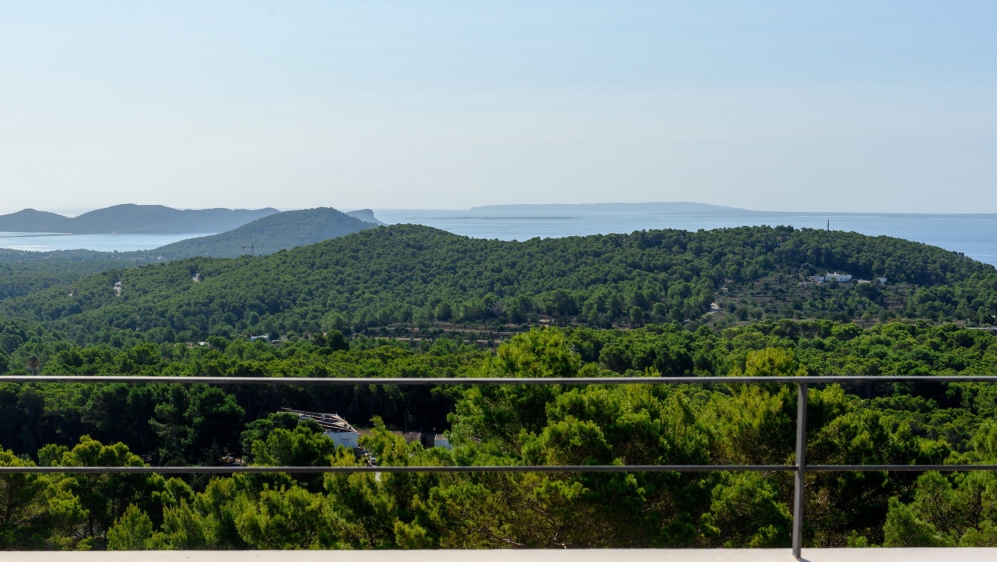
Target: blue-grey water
973 235
42 242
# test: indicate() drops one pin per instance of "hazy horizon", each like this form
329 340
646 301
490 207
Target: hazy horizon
853 107
77 211
971 234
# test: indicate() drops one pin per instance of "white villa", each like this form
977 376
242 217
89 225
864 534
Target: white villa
334 426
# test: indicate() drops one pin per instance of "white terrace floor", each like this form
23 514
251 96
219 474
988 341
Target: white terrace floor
759 555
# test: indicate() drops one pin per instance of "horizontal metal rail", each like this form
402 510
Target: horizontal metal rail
479 469
799 469
476 381
388 469
899 467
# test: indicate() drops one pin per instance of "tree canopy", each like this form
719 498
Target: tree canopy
406 275
90 424
413 302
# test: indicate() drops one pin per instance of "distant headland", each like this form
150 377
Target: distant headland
688 208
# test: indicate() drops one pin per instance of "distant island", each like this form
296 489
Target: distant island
133 219
688 208
271 233
678 208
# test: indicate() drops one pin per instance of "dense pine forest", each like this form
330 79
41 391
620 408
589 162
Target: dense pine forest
417 276
410 301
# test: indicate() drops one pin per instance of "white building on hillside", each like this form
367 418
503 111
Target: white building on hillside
839 277
334 427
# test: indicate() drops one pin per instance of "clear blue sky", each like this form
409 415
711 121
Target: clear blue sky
829 106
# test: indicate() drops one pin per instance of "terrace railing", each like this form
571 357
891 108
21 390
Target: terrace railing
799 468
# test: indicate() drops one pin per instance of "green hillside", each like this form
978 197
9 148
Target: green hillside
20 279
267 235
414 275
30 220
24 272
657 289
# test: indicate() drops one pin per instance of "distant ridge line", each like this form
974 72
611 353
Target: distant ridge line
676 207
133 219
689 208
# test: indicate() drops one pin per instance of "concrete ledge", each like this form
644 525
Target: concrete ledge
688 555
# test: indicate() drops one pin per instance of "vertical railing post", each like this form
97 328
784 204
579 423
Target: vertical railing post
801 463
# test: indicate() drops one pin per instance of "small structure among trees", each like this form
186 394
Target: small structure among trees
333 426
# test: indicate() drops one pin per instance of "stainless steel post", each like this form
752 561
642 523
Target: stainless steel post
801 462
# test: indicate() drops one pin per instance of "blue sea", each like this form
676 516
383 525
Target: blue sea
46 242
973 235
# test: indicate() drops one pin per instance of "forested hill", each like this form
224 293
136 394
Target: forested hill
133 219
269 234
23 272
30 220
415 274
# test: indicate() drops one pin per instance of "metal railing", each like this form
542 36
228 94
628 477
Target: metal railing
800 468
